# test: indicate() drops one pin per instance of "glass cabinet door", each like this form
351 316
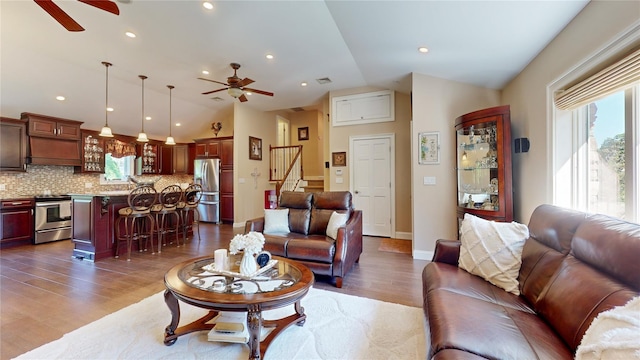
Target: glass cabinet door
478 167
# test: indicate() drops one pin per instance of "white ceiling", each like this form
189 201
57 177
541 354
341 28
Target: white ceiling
354 43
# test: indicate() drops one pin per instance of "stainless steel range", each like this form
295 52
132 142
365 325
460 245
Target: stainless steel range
52 218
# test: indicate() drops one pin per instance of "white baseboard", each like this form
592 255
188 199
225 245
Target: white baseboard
422 255
403 235
238 225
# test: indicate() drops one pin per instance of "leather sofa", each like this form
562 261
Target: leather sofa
307 242
574 266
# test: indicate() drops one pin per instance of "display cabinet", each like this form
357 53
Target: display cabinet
93 153
483 153
147 159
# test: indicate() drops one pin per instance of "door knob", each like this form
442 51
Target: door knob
357 192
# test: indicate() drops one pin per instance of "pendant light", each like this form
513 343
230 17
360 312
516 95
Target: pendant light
170 140
142 137
106 130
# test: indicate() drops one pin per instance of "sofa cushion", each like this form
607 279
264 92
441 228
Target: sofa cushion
311 249
492 250
613 334
299 205
335 221
276 221
324 204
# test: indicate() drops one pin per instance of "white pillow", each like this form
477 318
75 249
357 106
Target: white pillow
337 220
613 334
492 250
276 221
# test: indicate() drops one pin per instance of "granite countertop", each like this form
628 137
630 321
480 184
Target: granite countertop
103 193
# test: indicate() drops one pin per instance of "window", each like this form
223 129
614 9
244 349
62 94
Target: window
598 172
117 170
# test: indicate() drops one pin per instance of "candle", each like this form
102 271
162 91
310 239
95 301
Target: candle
220 258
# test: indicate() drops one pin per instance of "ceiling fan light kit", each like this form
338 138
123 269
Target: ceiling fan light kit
236 87
170 140
142 137
106 130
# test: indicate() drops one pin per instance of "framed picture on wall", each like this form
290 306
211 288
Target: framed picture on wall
255 148
429 143
339 159
303 133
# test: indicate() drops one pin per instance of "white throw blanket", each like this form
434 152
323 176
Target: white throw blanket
613 334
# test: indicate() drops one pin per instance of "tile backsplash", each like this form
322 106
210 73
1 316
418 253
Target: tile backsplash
62 180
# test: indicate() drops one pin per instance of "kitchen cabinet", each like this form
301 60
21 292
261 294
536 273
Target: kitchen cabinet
483 153
13 144
16 224
174 159
92 231
92 153
207 148
53 141
226 180
147 160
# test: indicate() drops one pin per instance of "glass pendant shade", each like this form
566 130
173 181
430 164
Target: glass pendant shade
106 130
235 92
170 140
142 137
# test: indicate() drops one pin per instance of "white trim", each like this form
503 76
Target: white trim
422 255
392 163
239 224
403 235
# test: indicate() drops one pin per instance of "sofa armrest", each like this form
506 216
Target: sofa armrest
256 224
447 251
348 244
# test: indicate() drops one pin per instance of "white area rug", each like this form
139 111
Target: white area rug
338 326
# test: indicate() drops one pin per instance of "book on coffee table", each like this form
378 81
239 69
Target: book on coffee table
232 327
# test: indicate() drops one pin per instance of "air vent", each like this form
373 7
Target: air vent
324 80
297 109
217 98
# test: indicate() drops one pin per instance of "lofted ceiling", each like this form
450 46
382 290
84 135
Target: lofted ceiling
353 43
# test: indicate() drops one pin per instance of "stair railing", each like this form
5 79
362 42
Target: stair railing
285 163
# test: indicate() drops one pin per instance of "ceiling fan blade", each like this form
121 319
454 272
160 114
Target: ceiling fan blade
211 92
217 82
244 82
106 5
59 15
243 98
261 92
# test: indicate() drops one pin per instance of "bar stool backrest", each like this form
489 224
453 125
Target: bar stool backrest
142 198
171 196
193 194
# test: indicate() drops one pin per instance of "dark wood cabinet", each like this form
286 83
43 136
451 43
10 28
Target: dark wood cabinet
483 149
226 180
16 224
174 159
207 148
13 144
53 141
92 153
92 230
147 161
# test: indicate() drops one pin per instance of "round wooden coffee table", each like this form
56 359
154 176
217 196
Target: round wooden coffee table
284 284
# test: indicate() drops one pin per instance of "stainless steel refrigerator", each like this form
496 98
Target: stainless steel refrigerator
206 172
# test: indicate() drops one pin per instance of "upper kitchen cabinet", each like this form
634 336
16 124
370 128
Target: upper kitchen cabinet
48 126
92 153
147 161
174 159
207 148
13 144
53 141
483 148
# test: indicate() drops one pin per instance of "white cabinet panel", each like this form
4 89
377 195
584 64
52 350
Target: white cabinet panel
363 108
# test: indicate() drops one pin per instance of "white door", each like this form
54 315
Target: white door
371 181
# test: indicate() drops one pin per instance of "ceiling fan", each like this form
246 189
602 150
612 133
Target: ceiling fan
236 87
65 20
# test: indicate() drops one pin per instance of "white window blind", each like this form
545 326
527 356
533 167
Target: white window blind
621 74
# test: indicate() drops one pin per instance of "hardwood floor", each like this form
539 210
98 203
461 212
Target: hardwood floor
45 293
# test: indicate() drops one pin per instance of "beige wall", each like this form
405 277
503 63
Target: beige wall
436 104
225 117
339 141
312 149
596 26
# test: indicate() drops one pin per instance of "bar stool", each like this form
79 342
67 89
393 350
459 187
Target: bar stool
138 222
192 196
164 210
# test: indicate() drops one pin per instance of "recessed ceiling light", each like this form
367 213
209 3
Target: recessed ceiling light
423 49
60 98
269 56
207 5
109 109
205 72
304 83
178 124
130 34
148 118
